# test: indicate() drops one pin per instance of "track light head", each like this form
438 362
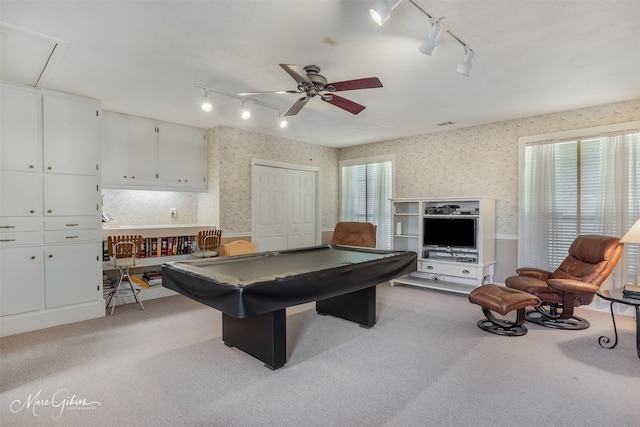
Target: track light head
464 67
246 109
206 104
430 44
283 120
381 11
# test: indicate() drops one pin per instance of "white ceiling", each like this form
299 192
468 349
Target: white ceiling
145 57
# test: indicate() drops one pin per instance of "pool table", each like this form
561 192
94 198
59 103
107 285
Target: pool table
253 291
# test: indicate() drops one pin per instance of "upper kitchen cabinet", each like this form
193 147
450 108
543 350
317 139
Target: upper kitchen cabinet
147 154
71 125
20 128
129 155
182 157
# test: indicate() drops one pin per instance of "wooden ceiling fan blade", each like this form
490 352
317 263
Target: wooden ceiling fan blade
297 73
295 108
366 83
344 103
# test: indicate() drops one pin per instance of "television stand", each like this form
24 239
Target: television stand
441 265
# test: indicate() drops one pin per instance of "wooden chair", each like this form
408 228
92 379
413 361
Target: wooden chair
239 247
208 244
123 253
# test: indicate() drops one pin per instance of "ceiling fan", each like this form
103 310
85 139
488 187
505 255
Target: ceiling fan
312 84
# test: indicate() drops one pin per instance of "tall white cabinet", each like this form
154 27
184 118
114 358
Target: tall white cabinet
453 237
50 243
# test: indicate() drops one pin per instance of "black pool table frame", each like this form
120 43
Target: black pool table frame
341 279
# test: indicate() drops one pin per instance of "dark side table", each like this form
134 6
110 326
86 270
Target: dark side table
615 296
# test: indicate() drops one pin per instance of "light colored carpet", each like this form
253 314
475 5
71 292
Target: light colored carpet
425 363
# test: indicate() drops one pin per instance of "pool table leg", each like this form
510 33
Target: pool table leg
358 306
263 337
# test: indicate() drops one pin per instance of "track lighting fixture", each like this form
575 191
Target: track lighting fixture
247 104
283 120
381 11
206 105
464 67
430 44
246 110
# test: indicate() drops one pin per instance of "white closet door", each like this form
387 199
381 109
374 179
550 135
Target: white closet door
302 215
270 188
284 208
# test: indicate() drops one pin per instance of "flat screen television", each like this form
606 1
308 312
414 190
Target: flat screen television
454 232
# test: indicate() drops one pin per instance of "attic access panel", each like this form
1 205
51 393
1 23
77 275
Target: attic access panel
28 58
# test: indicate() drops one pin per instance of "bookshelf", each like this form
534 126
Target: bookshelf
158 239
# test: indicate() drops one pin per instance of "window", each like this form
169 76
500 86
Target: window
576 186
366 187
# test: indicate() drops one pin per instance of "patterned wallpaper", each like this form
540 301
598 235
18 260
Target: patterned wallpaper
475 161
236 148
481 160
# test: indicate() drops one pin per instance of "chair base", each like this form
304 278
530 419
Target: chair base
121 291
571 323
501 326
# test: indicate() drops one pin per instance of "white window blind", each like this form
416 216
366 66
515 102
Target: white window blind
366 188
581 186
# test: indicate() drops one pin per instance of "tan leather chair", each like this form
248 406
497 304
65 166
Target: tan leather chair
123 253
354 234
239 247
574 283
208 244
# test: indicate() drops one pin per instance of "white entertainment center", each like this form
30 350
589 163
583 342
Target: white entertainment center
453 237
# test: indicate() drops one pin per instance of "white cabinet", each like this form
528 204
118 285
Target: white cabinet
453 237
21 194
20 129
70 274
71 133
147 154
180 157
71 195
129 152
22 278
49 213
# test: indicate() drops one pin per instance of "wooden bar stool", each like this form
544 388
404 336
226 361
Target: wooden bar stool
208 244
123 253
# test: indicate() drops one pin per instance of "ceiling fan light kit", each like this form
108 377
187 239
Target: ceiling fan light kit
381 11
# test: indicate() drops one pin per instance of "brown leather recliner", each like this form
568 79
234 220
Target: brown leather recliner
590 261
355 234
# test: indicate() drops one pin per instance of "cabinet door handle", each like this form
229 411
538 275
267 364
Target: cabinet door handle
430 267
33 257
465 271
7 226
50 255
49 211
31 166
32 211
71 237
8 240
49 168
71 225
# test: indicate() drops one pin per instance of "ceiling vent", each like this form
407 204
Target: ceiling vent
28 58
